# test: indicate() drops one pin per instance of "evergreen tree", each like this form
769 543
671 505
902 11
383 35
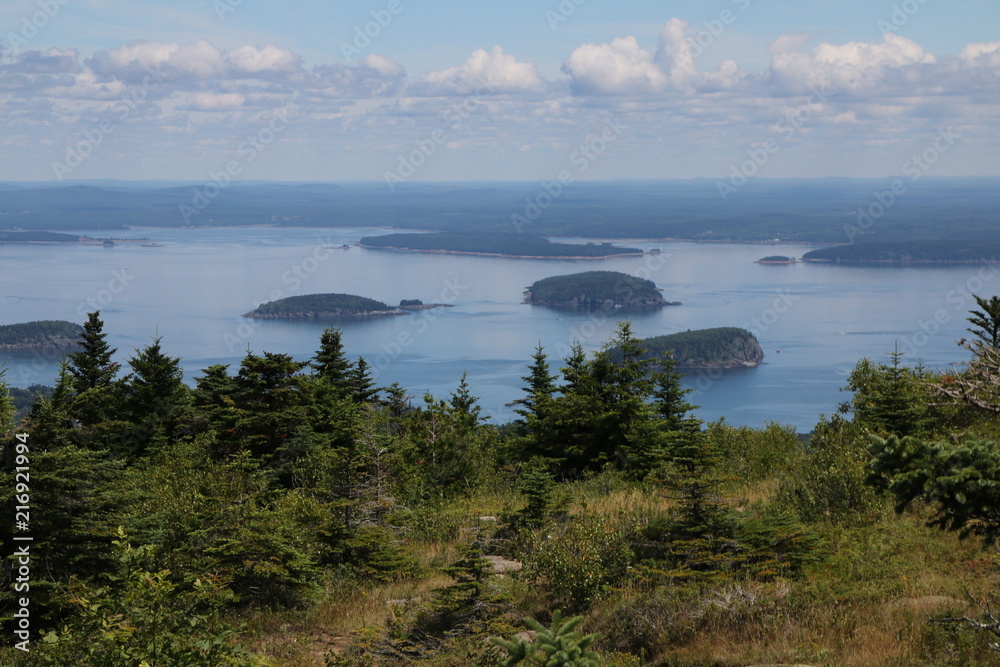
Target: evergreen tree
562 645
330 362
92 367
152 396
362 385
540 390
986 320
889 399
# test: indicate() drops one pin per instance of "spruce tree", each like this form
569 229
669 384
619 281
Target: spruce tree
92 367
363 387
330 362
152 394
986 320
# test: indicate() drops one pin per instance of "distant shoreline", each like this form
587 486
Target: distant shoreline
498 254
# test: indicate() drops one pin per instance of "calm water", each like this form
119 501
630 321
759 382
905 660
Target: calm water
814 321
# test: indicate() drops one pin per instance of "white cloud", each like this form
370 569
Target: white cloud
254 60
854 67
788 42
982 53
215 102
621 67
494 71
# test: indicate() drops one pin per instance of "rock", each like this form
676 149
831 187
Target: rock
502 565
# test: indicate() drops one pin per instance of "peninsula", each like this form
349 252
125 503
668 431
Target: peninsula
595 289
938 251
44 334
524 246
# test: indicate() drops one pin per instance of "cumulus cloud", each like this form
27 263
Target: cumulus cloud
495 71
788 42
620 67
853 68
254 60
985 54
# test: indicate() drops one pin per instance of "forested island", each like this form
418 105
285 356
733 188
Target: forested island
505 245
43 334
593 289
294 513
721 347
910 252
40 237
776 259
309 306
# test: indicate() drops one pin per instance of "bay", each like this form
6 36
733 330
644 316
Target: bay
814 321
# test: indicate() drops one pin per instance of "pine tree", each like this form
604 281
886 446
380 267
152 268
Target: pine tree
330 362
889 399
986 321
562 645
362 385
92 367
152 395
465 406
540 390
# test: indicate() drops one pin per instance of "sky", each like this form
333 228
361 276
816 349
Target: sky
525 90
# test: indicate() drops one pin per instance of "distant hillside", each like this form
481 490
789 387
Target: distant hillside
722 347
910 252
593 289
38 335
322 306
508 245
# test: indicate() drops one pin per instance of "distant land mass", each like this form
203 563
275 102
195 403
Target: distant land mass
722 347
310 306
507 245
39 237
592 289
777 259
766 211
43 334
910 252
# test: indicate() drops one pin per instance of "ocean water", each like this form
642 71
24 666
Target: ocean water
814 321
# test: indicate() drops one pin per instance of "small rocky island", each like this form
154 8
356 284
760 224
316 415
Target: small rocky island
44 334
776 259
719 348
595 289
312 306
334 306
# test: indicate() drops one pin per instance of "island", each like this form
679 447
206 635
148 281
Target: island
40 237
719 348
327 306
44 334
939 251
776 259
417 304
524 246
595 289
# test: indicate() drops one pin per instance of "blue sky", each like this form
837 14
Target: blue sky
479 90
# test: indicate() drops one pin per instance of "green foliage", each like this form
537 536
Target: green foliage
404 303
524 245
92 367
144 617
721 345
562 645
961 481
890 398
986 320
44 333
914 251
752 455
320 305
830 482
595 288
578 561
